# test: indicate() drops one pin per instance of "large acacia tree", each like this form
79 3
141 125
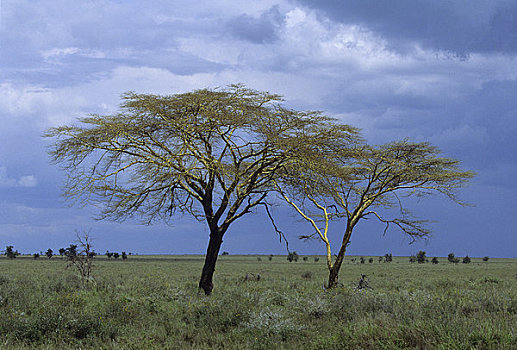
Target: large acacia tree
211 154
354 183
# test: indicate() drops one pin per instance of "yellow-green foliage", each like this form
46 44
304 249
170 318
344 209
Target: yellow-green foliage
154 303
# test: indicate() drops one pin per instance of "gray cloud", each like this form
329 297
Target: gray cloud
259 30
459 27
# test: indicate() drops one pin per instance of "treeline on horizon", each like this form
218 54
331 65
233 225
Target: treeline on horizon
71 251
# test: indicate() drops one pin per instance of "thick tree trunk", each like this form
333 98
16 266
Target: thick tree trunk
334 270
212 252
334 273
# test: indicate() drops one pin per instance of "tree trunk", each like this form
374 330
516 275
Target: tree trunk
212 252
333 277
334 270
334 273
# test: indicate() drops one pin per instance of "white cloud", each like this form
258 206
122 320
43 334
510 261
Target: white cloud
23 181
28 181
55 54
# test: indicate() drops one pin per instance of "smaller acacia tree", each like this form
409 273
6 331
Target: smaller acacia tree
354 183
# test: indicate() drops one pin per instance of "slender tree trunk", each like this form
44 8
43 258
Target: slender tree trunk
212 252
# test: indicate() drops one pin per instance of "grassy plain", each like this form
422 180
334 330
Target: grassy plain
152 302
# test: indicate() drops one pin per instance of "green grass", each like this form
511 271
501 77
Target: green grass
152 302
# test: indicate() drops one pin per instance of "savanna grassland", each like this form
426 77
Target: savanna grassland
152 302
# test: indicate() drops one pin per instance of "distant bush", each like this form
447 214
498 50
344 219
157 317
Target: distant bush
434 260
361 260
305 258
270 257
466 260
259 258
49 253
226 253
485 258
420 257
412 259
71 251
35 255
124 256
10 253
452 259
316 259
116 255
292 256
370 260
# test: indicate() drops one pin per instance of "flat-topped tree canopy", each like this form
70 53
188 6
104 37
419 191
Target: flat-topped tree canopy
208 153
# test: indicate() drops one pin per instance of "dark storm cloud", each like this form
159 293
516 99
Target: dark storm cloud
459 27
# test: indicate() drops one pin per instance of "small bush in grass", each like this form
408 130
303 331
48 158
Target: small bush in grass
49 253
307 275
116 255
316 259
272 322
317 307
270 257
485 258
124 256
362 260
466 260
412 259
259 258
370 260
305 258
434 260
35 255
226 253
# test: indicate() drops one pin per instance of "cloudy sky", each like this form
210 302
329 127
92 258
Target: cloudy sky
437 71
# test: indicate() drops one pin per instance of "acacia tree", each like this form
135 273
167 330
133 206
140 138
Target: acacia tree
210 154
356 183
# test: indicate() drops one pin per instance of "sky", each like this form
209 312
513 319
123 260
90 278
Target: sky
443 72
